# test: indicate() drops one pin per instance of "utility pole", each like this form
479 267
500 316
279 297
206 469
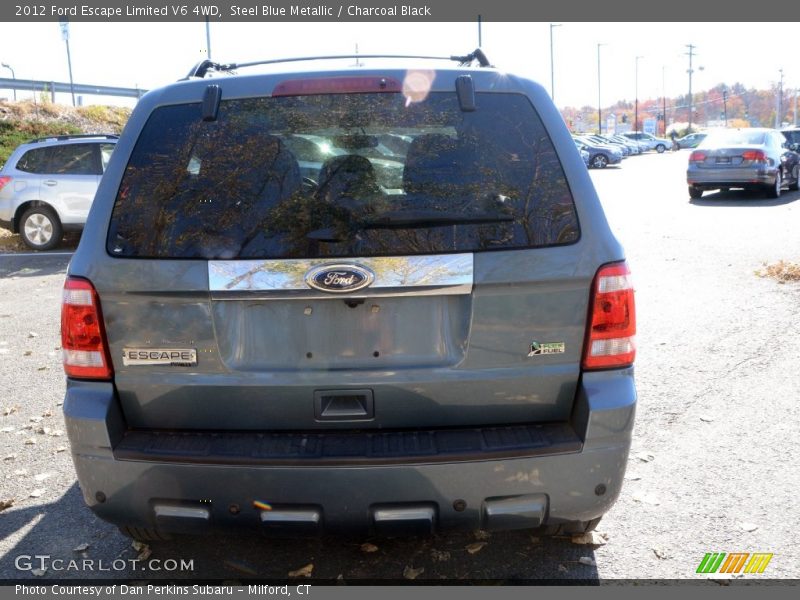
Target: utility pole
725 104
599 101
208 40
664 96
636 84
552 70
779 114
690 71
65 35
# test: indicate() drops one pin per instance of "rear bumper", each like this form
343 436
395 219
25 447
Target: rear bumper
410 494
715 178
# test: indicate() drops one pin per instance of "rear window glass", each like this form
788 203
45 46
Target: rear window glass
342 175
734 138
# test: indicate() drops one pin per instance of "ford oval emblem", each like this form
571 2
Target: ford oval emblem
339 279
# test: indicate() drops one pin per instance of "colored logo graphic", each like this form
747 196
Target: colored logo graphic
734 562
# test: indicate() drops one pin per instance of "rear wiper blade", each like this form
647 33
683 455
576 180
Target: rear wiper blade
409 219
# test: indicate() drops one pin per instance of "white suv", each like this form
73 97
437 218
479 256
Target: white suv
47 186
647 141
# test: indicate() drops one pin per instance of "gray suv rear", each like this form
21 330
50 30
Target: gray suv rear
431 328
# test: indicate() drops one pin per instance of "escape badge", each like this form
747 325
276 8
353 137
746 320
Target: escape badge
539 348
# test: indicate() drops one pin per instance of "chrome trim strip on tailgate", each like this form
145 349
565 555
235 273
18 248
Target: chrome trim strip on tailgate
444 274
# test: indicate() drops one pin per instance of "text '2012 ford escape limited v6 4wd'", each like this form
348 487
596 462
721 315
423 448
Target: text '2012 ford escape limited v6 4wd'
368 300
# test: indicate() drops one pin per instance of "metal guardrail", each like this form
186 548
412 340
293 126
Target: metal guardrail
36 85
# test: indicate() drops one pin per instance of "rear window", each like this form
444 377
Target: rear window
342 175
733 137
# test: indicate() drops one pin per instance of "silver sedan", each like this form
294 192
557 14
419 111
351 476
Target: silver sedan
755 158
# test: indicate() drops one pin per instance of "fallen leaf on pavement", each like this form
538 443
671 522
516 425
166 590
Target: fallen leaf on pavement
480 534
81 548
645 457
145 553
706 418
60 449
138 546
38 572
10 457
367 547
42 476
7 503
303 571
748 526
660 553
30 442
35 419
591 538
585 560
10 410
47 413
7 429
476 547
32 334
36 493
412 573
562 568
28 353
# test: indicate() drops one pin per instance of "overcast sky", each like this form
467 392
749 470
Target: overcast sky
148 55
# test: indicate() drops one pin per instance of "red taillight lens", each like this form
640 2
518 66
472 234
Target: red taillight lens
697 156
83 340
336 85
4 180
754 155
612 321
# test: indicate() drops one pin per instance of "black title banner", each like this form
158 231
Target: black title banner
374 10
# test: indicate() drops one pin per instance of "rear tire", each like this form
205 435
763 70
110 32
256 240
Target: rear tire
600 161
695 193
774 191
40 228
143 534
569 528
795 185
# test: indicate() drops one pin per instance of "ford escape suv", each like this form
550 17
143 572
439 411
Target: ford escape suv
432 328
47 186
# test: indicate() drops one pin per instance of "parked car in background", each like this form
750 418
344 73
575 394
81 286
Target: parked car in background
756 158
600 155
792 136
648 142
322 355
605 141
47 186
690 141
585 155
630 144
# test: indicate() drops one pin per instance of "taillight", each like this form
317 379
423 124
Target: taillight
336 85
4 180
754 155
612 321
697 156
83 339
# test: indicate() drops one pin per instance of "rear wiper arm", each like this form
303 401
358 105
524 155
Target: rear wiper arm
410 219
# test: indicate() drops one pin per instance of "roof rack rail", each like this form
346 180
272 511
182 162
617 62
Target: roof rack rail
202 68
76 136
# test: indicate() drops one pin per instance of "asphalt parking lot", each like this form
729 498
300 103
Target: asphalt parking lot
713 466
